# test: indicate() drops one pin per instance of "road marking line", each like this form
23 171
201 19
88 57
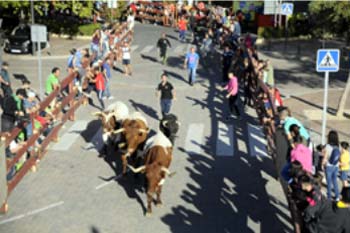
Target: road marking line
194 139
179 48
134 47
67 140
108 182
224 142
147 49
257 141
96 142
33 212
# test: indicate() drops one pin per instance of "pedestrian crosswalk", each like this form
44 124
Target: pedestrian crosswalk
177 49
227 141
147 49
194 139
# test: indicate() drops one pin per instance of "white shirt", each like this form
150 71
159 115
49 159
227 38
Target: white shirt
126 53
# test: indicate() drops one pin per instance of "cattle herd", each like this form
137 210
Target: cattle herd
140 152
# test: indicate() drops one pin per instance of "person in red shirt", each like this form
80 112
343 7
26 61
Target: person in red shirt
182 24
99 85
133 7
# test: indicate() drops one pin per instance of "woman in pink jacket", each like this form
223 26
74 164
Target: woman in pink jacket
232 96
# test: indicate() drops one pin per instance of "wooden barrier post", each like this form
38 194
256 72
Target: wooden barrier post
71 103
3 178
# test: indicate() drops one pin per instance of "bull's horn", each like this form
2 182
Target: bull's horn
164 123
143 130
167 171
97 113
118 130
178 122
137 170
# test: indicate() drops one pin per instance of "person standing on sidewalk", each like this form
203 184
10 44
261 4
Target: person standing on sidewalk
166 93
5 79
331 164
344 163
163 44
191 63
232 96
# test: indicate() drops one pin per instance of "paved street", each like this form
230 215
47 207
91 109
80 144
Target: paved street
225 180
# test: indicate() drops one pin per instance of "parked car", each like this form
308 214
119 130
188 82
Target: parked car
19 41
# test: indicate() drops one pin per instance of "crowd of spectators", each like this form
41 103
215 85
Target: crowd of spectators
319 210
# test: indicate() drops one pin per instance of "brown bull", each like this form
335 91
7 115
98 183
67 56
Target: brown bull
135 132
157 161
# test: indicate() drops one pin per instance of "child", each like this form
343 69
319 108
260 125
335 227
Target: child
344 163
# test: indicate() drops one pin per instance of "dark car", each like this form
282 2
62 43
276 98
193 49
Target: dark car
19 40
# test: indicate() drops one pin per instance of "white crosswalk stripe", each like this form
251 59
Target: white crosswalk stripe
225 139
134 47
257 141
147 49
67 140
194 138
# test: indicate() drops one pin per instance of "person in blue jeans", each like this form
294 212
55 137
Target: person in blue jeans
107 75
331 164
166 93
191 63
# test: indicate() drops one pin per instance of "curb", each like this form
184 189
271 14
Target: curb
261 41
65 36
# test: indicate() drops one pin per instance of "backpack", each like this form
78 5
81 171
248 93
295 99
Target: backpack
335 156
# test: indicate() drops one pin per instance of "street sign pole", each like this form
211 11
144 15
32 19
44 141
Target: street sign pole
327 60
39 71
38 34
286 32
32 13
325 107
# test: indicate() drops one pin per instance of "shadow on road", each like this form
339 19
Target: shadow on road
146 57
171 74
228 194
151 112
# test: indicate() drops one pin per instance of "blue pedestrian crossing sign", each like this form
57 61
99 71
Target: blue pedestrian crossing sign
287 8
327 60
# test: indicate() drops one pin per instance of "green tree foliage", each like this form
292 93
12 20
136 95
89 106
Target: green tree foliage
331 17
79 8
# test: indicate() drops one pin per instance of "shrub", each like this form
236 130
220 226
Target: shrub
88 29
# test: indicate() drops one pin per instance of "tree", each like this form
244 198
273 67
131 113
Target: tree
344 98
333 17
79 8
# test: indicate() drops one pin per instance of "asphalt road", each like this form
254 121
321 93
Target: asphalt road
225 181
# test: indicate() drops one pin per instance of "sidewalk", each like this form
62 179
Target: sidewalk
308 108
58 47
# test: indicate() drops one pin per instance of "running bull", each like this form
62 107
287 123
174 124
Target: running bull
158 156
